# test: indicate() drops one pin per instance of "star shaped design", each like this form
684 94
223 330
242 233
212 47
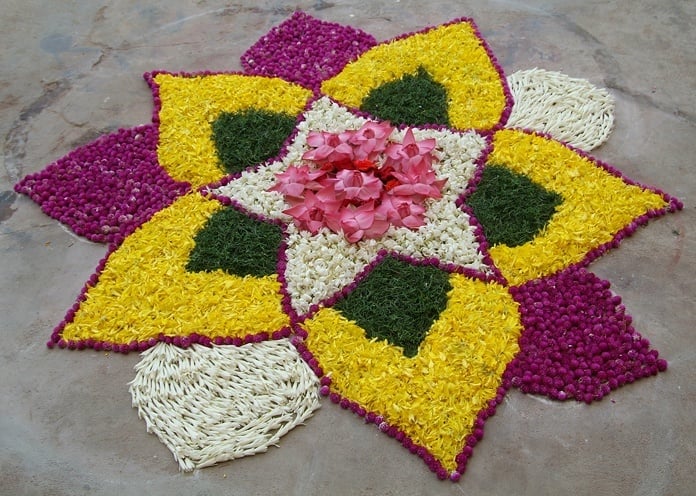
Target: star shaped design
318 267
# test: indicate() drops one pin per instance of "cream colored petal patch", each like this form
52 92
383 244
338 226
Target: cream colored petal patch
569 109
210 405
320 265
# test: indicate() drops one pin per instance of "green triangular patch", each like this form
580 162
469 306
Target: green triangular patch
249 137
398 302
236 244
511 208
414 100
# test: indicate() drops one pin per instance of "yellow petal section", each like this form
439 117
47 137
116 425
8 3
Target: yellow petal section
190 104
434 397
596 205
455 57
144 289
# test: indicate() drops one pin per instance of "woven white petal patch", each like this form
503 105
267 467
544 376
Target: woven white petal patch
210 405
570 110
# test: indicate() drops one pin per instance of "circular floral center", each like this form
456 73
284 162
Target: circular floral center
361 182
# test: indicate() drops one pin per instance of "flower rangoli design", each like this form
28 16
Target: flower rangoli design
385 225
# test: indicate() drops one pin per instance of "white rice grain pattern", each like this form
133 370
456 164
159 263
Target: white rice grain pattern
570 110
210 405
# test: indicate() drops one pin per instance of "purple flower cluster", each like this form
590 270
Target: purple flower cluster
578 340
305 50
105 190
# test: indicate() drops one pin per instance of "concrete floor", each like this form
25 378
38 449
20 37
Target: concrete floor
72 71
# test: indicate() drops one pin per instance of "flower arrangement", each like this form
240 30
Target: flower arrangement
360 240
359 183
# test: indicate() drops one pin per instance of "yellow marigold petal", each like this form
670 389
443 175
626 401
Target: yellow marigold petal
453 54
190 104
145 290
434 397
596 205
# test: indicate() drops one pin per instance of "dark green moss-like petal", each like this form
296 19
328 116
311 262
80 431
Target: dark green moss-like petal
236 244
398 302
414 100
249 137
511 208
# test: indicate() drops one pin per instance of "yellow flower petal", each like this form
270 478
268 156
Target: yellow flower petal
434 397
596 205
453 54
190 104
145 290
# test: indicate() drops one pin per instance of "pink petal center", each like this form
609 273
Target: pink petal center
359 183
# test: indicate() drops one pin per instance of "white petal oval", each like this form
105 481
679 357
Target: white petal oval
210 405
569 109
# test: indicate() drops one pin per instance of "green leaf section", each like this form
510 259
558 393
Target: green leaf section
249 137
511 208
236 244
414 100
398 302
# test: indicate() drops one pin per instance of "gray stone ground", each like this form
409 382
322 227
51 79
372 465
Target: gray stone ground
72 70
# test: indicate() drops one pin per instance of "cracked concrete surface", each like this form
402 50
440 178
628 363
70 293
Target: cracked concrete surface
72 71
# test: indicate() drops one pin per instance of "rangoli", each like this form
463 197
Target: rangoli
396 227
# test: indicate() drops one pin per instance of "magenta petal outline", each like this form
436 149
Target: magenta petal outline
578 342
306 50
106 189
